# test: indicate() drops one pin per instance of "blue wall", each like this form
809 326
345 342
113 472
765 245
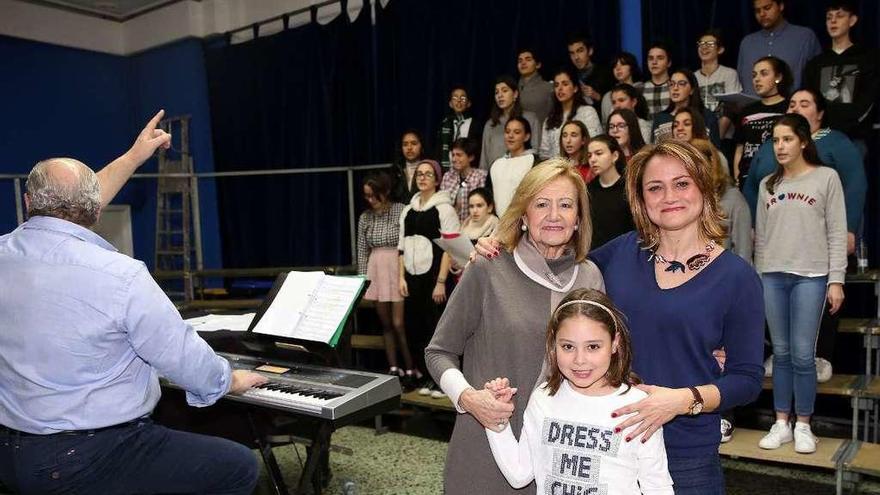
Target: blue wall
66 102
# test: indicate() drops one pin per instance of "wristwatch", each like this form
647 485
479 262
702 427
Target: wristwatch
697 405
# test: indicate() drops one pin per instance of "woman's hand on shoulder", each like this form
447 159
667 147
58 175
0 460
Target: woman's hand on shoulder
661 406
492 413
487 247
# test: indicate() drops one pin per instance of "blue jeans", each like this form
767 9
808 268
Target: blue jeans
138 457
794 309
696 475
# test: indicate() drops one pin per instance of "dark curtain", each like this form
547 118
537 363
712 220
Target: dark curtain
341 94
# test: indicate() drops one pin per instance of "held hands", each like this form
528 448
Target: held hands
148 141
720 355
835 297
242 380
501 389
649 414
492 413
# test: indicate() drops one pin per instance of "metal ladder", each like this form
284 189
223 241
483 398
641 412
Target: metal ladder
178 243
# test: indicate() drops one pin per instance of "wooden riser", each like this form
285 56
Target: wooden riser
866 460
744 445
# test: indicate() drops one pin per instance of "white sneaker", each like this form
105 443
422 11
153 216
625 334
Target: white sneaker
768 367
804 440
726 430
823 370
780 433
437 394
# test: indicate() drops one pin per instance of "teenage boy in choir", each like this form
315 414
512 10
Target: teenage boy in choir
595 79
535 94
793 44
714 78
846 75
456 124
463 178
656 88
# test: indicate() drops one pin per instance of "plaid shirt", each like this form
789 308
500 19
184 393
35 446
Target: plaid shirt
377 230
460 189
657 96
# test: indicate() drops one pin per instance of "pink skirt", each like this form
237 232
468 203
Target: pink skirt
383 272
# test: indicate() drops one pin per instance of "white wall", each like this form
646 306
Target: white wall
170 23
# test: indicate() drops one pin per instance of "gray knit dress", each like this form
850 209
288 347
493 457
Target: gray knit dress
494 325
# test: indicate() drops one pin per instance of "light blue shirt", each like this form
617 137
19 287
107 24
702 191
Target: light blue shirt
85 333
796 45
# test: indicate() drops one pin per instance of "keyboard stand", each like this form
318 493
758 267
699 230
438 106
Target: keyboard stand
265 448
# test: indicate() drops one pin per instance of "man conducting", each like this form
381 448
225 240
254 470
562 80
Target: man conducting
85 333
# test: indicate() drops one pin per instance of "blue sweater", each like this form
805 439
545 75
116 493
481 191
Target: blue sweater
835 151
674 332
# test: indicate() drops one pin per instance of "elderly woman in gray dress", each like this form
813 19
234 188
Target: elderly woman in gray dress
495 320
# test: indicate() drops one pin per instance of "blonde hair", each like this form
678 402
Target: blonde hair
720 178
509 231
711 227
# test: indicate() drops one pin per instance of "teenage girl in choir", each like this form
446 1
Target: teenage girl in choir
403 169
800 252
688 125
573 145
609 209
684 92
568 442
505 105
625 69
508 171
568 105
482 220
623 125
423 265
377 237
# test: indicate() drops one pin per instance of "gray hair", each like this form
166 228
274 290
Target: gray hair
64 188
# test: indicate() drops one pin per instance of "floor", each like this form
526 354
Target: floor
395 463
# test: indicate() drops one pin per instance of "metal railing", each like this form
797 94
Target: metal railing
195 177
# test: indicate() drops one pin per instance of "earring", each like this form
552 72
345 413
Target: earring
524 228
777 81
576 226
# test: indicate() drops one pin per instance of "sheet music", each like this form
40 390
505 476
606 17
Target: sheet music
459 247
292 300
212 322
329 308
310 306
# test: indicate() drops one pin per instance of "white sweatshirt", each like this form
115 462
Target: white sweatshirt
568 445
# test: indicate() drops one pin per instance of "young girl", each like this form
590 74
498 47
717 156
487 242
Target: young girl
800 252
568 105
504 106
377 237
507 171
684 92
626 71
569 442
609 209
573 145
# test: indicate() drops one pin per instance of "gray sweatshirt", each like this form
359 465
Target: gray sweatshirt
739 223
801 228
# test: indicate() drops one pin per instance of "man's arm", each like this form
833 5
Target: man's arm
112 177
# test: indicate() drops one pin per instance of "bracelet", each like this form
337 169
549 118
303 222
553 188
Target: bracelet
441 281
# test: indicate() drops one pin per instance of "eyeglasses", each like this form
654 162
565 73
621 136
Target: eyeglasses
427 175
617 127
710 44
680 84
459 99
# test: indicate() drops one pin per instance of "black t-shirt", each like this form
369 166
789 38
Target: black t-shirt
609 211
756 126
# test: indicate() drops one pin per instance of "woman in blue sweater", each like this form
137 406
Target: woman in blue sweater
684 296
